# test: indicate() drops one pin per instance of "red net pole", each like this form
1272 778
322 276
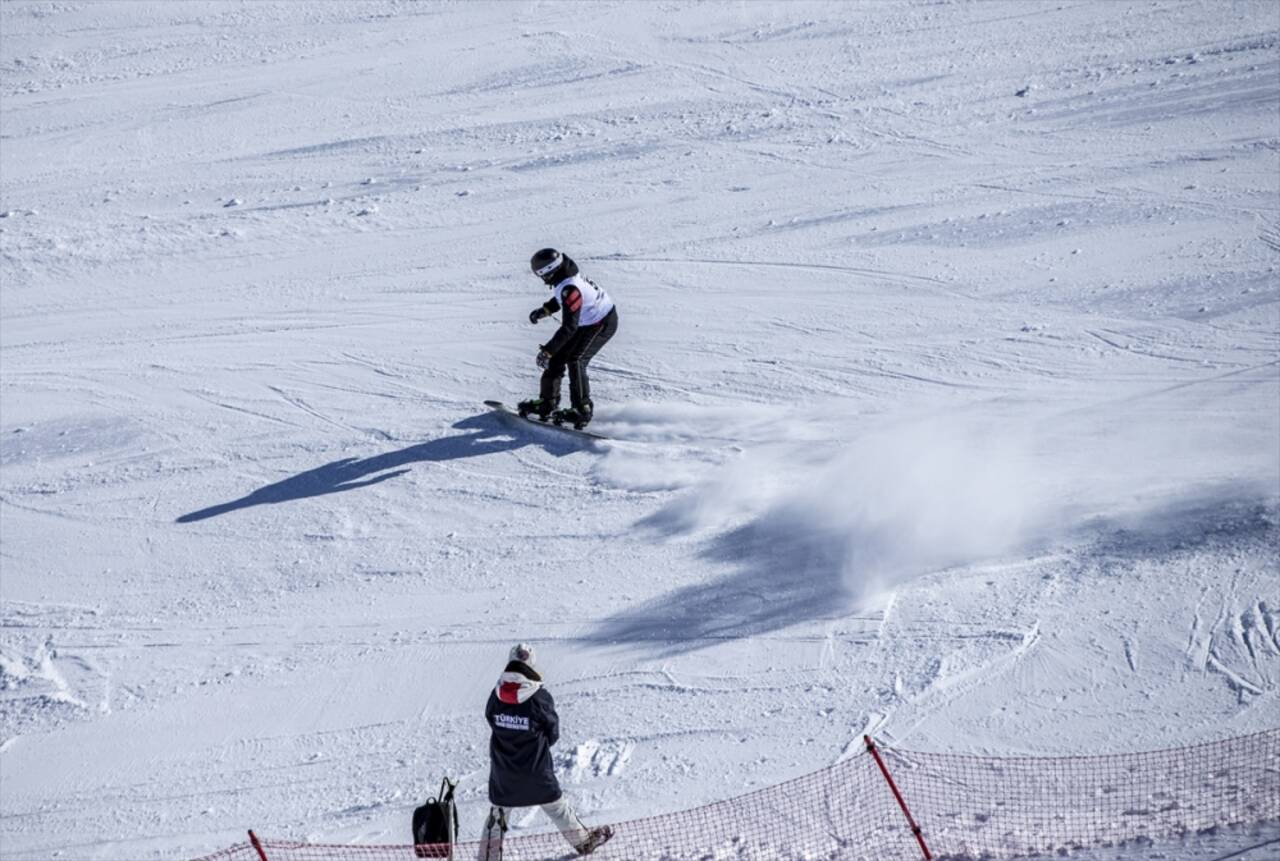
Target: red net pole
257 844
915 829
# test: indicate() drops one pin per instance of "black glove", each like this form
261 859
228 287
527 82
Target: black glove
544 359
537 314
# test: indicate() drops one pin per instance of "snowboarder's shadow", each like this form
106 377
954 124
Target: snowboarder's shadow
487 436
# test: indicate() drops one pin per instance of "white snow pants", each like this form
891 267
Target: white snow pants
559 811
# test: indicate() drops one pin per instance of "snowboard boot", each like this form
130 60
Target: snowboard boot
577 415
540 407
595 838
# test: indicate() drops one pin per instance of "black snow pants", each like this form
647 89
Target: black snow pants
574 355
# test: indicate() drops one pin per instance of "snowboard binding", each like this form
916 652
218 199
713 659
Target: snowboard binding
542 408
578 416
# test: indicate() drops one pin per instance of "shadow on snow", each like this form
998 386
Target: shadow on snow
486 437
790 571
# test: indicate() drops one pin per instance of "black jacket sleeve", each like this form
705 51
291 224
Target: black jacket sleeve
568 322
546 309
550 720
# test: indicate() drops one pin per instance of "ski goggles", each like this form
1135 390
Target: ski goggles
550 267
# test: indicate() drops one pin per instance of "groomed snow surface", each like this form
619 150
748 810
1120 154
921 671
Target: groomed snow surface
945 404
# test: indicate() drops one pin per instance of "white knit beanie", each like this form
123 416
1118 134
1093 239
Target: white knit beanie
524 653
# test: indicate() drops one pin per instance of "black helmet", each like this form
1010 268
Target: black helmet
545 262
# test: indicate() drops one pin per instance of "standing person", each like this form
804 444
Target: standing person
524 724
590 320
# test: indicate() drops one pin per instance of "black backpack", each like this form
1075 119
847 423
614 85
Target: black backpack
435 824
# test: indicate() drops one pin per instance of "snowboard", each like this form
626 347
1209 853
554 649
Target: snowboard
510 412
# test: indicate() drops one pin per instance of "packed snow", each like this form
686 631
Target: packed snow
945 403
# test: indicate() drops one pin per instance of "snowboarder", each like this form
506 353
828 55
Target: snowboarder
524 724
590 320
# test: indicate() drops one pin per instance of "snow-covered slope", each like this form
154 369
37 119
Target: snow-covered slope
945 403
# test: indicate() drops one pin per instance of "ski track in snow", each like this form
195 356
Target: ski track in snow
937 411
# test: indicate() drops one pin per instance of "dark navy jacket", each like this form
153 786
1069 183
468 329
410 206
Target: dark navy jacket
520 769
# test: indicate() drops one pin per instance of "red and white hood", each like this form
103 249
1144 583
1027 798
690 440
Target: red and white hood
513 688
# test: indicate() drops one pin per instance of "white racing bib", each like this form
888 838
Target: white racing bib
596 303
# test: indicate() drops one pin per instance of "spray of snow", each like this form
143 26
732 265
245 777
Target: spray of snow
914 495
